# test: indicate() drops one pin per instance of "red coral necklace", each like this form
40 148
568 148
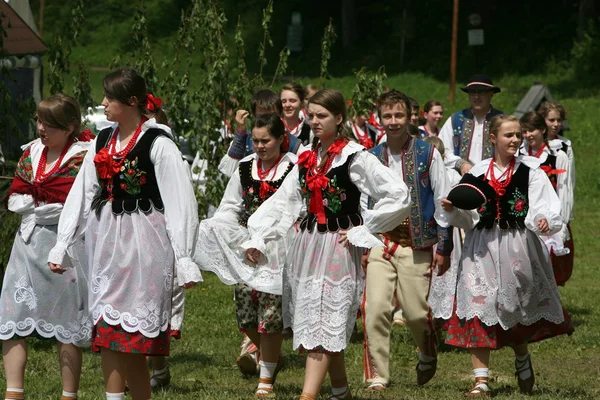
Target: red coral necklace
40 175
499 185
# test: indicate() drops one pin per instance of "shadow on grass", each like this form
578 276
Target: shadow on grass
195 358
577 315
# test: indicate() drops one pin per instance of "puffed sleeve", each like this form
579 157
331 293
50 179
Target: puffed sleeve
232 203
564 187
543 203
440 185
181 208
276 215
387 189
71 225
571 170
446 135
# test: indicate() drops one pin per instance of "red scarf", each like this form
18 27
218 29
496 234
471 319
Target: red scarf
315 177
53 189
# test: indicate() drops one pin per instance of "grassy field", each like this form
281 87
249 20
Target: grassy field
203 363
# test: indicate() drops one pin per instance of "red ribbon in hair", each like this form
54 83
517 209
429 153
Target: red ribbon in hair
86 136
153 103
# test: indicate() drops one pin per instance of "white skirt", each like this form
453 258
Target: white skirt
218 251
35 300
442 291
131 278
505 277
323 285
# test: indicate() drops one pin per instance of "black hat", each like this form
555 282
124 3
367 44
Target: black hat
470 193
480 82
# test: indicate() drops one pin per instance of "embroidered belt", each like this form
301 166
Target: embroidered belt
399 235
332 224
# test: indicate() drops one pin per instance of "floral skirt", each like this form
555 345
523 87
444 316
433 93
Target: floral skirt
115 338
475 334
563 265
257 310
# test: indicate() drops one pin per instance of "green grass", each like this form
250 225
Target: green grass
203 363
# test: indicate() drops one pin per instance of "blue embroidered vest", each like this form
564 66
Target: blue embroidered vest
424 230
134 187
513 205
463 127
341 199
251 189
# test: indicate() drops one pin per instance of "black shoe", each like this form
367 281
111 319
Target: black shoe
525 385
424 376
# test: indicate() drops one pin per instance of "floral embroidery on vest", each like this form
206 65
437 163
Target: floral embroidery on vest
518 204
334 195
131 177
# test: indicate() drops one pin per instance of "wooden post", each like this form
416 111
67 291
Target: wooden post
453 52
41 18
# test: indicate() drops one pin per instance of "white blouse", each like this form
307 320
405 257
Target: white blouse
276 215
232 203
180 206
564 188
543 201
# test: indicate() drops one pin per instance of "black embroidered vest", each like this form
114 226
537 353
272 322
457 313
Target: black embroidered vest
135 186
551 162
513 205
304 135
341 199
251 189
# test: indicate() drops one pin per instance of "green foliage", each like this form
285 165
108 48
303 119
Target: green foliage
213 90
262 59
367 89
242 87
329 39
8 221
282 66
60 50
82 90
141 55
586 53
14 113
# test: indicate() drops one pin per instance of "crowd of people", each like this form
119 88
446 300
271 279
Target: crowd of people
328 216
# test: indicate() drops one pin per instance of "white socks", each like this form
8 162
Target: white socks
481 376
425 359
115 396
339 391
267 370
12 393
523 366
69 395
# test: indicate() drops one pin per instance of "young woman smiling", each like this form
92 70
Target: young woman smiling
323 278
433 112
505 293
292 99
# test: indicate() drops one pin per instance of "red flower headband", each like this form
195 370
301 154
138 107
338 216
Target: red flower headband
153 103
